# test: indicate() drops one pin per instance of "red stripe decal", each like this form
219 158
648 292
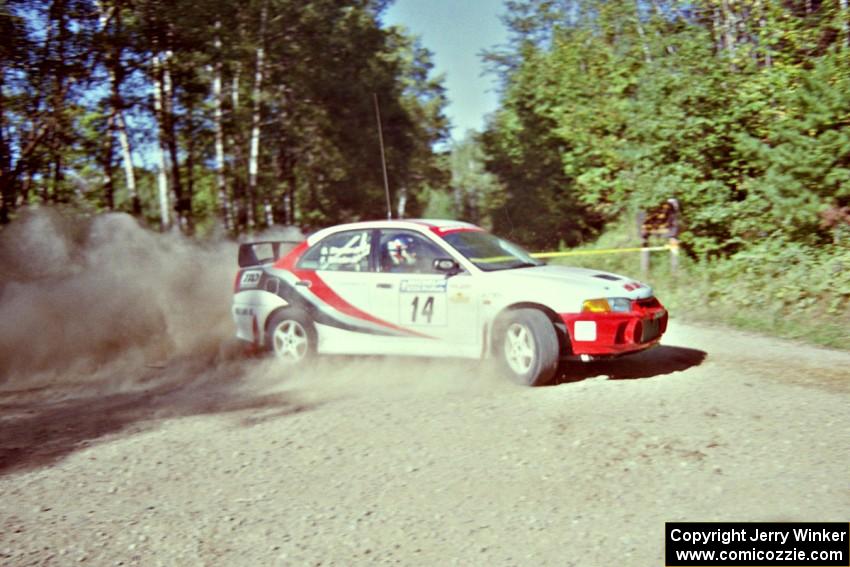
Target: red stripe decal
451 230
288 262
323 291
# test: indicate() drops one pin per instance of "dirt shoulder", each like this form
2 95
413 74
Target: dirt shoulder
403 462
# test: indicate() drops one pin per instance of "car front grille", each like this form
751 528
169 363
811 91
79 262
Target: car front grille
651 330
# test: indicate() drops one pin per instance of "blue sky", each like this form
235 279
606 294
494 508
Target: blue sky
456 31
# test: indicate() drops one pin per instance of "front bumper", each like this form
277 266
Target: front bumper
614 334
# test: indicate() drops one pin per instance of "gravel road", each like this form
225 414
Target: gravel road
218 460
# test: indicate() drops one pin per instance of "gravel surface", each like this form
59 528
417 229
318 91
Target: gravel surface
398 461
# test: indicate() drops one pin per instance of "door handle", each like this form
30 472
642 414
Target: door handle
385 286
305 283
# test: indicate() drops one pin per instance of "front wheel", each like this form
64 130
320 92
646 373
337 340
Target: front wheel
292 337
527 347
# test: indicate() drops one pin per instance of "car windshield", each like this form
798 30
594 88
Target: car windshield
489 252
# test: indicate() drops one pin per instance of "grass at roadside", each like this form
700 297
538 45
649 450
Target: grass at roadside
787 291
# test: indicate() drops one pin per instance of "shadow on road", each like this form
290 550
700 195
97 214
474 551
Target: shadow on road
654 362
39 428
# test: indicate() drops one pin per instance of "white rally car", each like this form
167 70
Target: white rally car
440 289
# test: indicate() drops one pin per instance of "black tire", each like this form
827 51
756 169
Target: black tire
526 347
291 337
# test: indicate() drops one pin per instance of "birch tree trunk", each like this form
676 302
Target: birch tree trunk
254 151
401 207
845 25
182 198
218 117
127 160
728 28
188 218
287 206
234 86
647 56
107 161
237 146
119 126
161 176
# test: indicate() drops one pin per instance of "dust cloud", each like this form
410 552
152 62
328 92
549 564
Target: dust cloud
99 305
387 378
82 298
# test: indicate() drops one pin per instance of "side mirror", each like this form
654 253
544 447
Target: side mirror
446 266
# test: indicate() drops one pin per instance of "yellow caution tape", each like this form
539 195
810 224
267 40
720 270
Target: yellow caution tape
608 251
672 247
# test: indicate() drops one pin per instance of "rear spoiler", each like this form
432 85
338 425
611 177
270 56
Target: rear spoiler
263 252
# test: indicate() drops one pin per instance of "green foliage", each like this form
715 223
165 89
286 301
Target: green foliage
738 110
474 191
438 205
538 204
790 290
802 162
304 73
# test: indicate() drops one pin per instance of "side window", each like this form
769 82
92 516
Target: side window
402 251
343 252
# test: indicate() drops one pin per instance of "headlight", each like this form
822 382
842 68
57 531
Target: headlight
607 305
620 304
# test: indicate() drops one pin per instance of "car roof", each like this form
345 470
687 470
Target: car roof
420 225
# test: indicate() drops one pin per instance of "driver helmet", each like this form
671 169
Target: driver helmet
402 250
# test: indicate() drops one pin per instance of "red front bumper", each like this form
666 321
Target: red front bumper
611 334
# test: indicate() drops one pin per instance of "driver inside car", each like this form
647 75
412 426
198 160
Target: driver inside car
403 254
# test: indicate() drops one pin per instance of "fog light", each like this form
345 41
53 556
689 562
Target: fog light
596 306
584 331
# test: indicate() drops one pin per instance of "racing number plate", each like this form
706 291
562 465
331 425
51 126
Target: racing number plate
422 302
250 278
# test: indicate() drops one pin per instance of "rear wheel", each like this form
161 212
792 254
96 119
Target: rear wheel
292 337
527 347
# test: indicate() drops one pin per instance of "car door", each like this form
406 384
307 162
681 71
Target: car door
335 278
440 312
341 261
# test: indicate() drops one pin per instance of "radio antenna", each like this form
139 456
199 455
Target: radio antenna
383 157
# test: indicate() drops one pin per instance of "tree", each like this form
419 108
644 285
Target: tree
475 192
268 118
734 108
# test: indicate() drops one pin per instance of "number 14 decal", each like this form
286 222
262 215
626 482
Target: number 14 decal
421 309
427 309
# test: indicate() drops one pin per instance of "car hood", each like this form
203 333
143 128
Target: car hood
593 283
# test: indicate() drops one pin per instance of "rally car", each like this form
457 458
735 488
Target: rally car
439 289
